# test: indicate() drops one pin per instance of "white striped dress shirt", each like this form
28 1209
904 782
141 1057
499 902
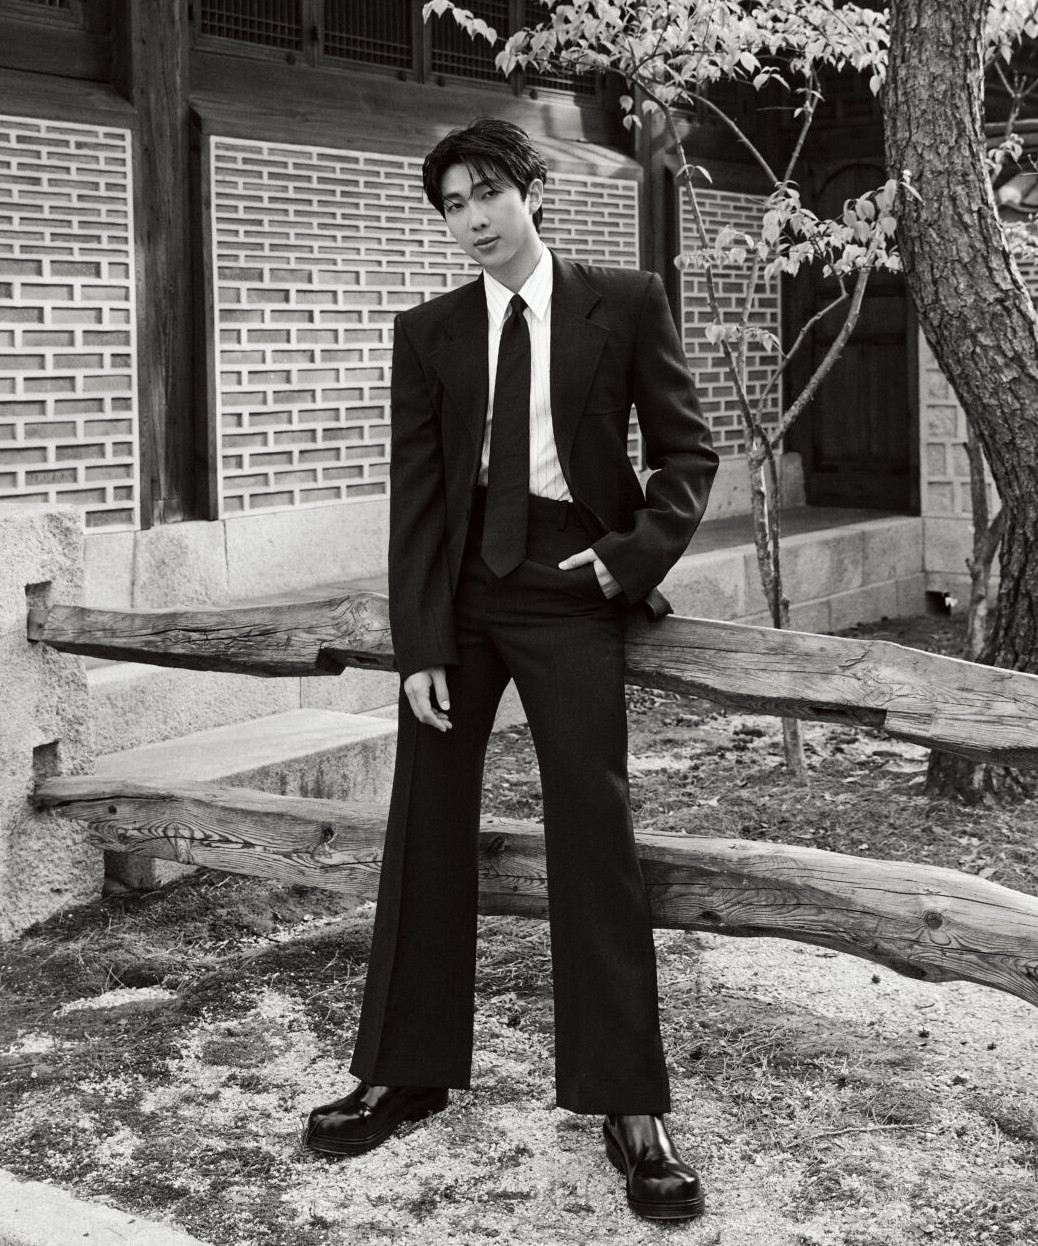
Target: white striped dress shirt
546 478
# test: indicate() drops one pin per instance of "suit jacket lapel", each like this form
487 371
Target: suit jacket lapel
461 360
576 347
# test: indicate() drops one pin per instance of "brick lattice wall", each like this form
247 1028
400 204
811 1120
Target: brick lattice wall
717 392
945 482
67 337
946 472
316 251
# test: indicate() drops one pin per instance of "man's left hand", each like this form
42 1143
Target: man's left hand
606 582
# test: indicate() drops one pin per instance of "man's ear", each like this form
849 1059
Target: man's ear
534 195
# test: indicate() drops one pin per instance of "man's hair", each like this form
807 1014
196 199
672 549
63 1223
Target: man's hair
497 150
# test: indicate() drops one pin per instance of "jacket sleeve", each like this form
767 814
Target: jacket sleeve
421 614
679 451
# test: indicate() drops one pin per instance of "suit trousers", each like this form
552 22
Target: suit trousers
558 637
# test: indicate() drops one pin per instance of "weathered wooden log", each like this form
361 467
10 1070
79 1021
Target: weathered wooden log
920 920
283 638
982 712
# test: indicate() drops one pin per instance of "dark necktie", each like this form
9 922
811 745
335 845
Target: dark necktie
508 474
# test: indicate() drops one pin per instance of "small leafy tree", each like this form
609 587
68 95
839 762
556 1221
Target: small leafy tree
668 54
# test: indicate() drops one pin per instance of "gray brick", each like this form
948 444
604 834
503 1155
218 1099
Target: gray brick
331 255
74 227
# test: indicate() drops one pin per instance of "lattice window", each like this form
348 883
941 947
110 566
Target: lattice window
272 23
380 33
454 52
559 80
64 13
376 32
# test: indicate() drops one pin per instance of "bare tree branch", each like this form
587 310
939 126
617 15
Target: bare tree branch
802 336
840 341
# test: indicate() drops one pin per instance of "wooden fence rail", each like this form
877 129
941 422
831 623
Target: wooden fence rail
920 920
981 712
288 638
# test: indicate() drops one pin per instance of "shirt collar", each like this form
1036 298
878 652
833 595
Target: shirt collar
536 291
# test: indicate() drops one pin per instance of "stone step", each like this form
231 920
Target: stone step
311 752
860 567
132 704
34 1213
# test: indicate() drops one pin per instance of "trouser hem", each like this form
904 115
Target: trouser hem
416 1072
601 1098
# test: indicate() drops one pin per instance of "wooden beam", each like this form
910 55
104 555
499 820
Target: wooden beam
150 67
58 99
920 920
48 41
288 638
250 97
205 280
983 712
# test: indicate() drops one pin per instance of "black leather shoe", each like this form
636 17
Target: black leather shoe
660 1185
368 1115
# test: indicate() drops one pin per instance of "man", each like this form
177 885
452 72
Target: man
520 540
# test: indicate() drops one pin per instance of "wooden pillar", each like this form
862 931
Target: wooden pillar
150 68
658 241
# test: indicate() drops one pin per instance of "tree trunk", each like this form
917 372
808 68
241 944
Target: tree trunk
987 534
767 527
973 305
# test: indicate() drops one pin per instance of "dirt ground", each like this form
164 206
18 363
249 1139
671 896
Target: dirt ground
160 1052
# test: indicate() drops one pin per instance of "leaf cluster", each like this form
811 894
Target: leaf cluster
677 47
792 235
1008 22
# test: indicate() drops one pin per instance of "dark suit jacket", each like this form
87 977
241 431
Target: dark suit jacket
613 343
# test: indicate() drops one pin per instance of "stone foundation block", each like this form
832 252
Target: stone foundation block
710 586
819 565
132 704
45 863
892 550
947 543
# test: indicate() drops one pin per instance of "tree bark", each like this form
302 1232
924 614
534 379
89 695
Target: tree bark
973 305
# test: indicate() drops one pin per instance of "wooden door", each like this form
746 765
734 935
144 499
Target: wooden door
857 439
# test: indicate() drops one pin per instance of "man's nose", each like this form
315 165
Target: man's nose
477 217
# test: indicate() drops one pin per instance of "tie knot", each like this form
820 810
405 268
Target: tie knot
517 305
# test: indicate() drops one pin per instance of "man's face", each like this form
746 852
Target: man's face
493 223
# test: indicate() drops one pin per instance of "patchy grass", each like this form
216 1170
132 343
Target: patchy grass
160 1052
